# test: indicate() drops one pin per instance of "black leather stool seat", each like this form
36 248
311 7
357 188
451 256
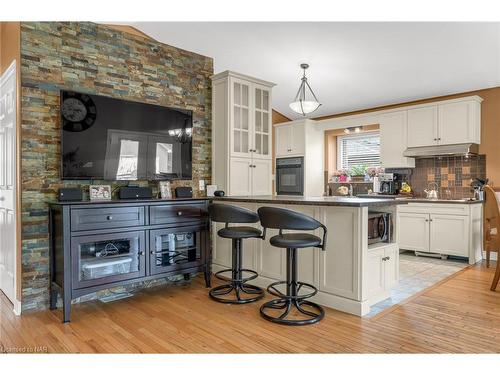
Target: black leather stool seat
239 232
295 240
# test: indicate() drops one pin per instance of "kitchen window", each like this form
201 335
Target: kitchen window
358 149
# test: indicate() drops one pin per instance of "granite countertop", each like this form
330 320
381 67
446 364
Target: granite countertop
420 200
128 201
313 201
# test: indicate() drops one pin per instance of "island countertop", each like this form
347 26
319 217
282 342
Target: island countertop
313 201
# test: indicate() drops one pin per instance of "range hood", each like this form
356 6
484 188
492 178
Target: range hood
442 150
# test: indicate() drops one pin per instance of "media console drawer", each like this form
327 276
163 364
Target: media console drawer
175 213
106 218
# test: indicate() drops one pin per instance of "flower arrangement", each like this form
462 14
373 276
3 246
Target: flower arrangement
374 171
340 175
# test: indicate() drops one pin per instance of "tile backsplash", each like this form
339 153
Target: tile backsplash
452 174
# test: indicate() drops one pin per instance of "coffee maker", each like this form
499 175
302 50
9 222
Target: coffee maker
390 183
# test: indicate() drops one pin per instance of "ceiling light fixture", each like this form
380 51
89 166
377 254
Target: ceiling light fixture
355 129
304 104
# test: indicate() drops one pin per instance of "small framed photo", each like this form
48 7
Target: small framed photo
100 192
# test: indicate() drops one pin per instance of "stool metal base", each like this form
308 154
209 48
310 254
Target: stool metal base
238 288
287 304
236 283
292 300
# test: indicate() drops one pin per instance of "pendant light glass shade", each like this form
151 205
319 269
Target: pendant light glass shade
305 101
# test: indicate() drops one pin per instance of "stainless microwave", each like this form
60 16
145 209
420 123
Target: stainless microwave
379 227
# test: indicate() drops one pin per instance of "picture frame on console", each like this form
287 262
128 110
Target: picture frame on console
100 192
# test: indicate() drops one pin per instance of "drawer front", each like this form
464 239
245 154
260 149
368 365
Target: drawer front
177 213
106 218
435 208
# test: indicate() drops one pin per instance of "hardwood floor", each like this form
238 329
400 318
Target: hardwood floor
458 315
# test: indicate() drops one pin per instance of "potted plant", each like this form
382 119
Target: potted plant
358 173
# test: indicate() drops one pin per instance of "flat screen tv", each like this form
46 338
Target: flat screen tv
112 139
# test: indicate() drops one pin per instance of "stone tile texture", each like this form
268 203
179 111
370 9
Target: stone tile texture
95 59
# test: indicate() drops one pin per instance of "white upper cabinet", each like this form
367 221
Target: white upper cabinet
261 146
393 140
241 134
290 139
459 123
240 120
445 123
422 126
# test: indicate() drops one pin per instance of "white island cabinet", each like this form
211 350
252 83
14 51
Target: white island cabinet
350 275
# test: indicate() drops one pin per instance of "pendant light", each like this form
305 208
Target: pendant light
304 103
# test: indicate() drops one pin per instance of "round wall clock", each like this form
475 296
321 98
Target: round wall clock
78 112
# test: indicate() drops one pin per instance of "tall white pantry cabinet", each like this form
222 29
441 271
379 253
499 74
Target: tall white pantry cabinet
241 134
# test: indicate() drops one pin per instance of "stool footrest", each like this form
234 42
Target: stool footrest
275 292
220 276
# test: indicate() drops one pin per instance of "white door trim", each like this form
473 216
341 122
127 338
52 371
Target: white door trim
10 72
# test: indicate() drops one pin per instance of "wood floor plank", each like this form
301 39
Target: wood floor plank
458 315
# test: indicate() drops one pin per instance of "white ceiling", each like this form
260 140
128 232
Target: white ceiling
352 65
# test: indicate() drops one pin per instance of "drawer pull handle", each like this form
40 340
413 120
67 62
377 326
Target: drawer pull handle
179 213
109 217
141 253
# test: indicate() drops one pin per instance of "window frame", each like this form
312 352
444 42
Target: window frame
340 138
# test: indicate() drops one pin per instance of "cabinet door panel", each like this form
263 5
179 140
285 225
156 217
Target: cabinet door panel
338 266
270 259
240 176
240 118
450 235
283 138
414 231
261 177
455 123
262 130
391 266
297 139
393 141
374 272
422 126
221 254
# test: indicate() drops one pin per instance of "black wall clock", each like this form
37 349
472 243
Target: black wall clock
78 112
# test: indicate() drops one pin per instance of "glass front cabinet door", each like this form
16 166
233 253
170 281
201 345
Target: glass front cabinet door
176 248
262 123
107 258
241 119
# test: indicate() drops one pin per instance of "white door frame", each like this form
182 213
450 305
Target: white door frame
10 72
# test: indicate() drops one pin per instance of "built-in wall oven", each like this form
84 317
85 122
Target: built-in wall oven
290 176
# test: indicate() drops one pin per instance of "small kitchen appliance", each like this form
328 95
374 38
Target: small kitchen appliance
379 227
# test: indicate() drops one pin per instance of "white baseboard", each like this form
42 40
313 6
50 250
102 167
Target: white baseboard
493 256
17 307
343 304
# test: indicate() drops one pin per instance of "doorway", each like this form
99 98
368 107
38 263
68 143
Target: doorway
8 188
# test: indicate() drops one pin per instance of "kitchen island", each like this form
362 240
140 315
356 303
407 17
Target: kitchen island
351 275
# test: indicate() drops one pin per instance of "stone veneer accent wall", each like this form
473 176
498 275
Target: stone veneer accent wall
95 59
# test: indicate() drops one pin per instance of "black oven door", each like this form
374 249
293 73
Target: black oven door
289 176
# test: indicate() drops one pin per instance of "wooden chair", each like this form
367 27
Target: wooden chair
491 229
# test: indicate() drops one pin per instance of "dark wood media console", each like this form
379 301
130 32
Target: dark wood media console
95 246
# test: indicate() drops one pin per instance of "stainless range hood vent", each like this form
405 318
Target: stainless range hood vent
461 149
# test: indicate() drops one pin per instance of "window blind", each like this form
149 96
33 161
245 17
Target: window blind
358 149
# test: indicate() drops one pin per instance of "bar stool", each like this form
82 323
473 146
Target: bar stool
283 219
224 213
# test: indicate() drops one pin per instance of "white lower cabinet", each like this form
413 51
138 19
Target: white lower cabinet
441 229
414 231
449 235
381 271
250 176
